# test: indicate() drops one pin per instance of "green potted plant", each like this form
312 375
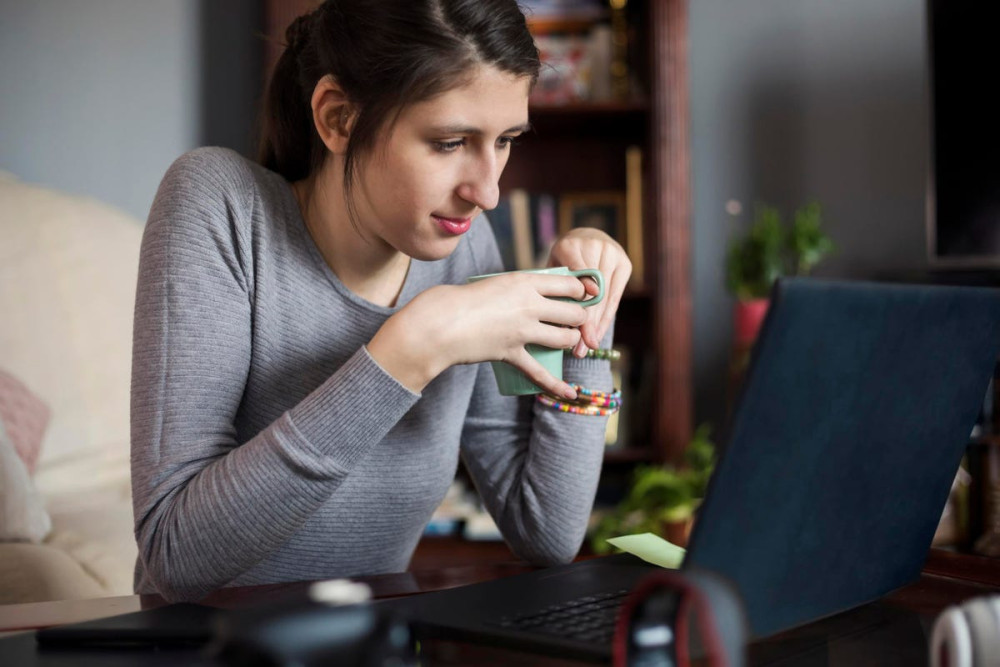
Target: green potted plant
662 499
768 251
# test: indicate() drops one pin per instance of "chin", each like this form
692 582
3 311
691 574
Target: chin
433 252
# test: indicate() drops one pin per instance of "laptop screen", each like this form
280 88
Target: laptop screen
854 415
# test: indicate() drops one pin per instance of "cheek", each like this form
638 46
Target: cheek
423 188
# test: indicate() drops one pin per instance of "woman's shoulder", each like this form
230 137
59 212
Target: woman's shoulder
216 178
208 187
215 166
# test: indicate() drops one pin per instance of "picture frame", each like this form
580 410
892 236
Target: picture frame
604 210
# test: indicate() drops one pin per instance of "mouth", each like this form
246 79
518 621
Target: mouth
454 226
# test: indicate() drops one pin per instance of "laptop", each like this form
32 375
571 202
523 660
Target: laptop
854 415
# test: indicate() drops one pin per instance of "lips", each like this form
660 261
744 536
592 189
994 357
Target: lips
454 226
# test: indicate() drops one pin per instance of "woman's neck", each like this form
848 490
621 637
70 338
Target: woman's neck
366 265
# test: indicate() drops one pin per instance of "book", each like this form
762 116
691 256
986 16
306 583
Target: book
520 215
633 215
544 224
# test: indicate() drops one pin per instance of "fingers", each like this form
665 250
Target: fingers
556 337
572 256
596 257
615 289
562 313
616 267
541 377
552 286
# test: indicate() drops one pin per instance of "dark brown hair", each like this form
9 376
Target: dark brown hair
385 55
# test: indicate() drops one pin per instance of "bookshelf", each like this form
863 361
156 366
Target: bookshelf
579 147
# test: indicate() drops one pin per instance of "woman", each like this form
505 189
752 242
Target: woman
307 358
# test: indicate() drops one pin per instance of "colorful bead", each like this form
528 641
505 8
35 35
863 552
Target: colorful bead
588 410
588 402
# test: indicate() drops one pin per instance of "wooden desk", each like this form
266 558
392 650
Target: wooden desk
892 631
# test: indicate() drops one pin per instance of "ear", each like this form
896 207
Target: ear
333 114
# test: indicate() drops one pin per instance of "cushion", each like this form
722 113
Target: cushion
22 514
24 418
68 267
38 572
97 533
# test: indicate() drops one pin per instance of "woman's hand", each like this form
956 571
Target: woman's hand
489 320
589 248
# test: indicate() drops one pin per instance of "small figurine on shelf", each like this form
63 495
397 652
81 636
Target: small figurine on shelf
580 51
565 74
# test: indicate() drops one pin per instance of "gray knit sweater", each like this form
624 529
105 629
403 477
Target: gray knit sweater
268 446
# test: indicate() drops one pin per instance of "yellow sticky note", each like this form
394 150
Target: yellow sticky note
651 548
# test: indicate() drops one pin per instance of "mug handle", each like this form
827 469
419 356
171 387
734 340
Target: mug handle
598 278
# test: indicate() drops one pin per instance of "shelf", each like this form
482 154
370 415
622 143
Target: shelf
544 25
992 439
947 563
623 123
609 108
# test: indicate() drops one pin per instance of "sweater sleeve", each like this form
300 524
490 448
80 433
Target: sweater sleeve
207 507
536 469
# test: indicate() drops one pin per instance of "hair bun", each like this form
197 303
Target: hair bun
299 32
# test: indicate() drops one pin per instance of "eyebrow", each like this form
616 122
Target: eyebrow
468 129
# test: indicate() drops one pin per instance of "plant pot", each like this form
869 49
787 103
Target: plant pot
678 532
748 316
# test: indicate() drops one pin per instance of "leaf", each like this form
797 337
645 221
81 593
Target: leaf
767 251
807 242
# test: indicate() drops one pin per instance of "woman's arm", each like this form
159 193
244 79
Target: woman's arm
536 468
207 506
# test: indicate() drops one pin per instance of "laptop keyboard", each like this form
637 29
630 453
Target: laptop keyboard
588 619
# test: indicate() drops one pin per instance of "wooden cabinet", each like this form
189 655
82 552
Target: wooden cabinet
581 147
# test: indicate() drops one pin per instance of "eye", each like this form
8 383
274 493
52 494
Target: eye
507 142
448 146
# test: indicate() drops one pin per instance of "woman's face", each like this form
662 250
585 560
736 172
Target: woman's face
440 164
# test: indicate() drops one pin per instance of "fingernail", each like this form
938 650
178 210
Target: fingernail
570 393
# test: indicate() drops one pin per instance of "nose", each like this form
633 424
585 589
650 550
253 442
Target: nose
480 184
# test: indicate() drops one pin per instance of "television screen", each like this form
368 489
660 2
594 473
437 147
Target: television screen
963 212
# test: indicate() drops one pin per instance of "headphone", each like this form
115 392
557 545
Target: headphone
653 624
967 635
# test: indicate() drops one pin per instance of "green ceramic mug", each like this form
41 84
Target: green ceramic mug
510 380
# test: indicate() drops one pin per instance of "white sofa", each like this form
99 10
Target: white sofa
67 284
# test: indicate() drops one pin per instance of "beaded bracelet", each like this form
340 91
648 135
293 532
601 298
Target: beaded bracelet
588 410
597 397
604 353
588 402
